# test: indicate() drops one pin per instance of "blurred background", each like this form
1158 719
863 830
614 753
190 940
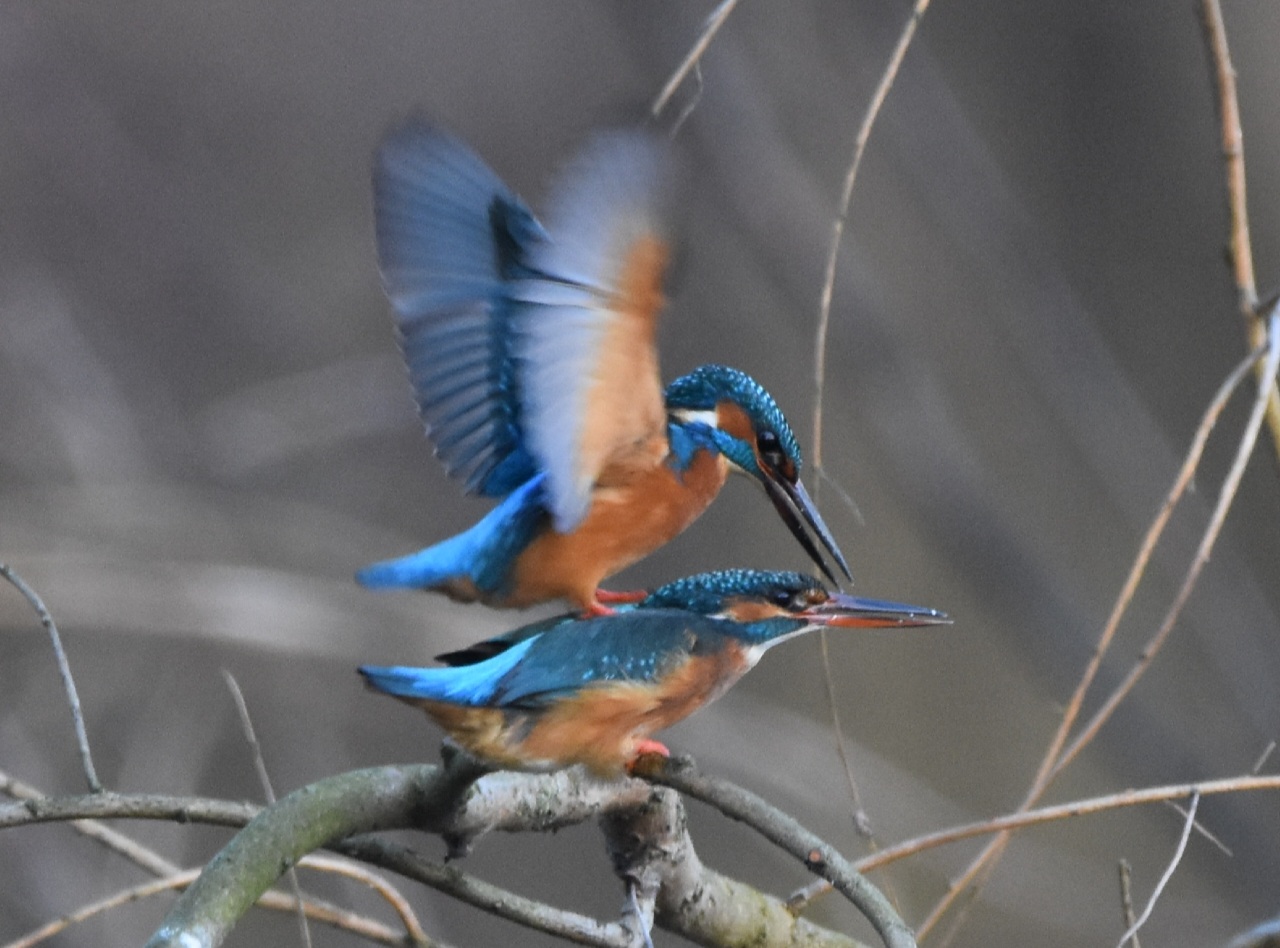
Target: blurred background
207 429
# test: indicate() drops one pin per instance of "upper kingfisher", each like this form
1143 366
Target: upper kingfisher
592 690
532 354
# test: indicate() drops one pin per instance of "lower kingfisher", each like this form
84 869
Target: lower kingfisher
593 690
533 359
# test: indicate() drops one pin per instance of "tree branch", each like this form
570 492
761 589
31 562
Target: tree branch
64 669
650 845
786 833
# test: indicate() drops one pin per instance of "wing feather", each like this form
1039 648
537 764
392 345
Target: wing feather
591 394
450 236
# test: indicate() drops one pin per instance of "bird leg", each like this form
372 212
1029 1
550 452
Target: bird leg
622 596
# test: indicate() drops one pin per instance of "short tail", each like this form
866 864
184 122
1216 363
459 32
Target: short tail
472 685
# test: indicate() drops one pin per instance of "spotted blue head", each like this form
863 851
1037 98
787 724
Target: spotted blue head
749 429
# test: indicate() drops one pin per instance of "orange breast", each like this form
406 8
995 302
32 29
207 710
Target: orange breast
633 512
602 725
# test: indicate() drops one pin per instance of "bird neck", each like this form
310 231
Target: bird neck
764 634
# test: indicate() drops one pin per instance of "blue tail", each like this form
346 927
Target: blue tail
468 684
484 554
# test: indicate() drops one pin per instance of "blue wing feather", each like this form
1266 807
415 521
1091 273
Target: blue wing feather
450 236
636 647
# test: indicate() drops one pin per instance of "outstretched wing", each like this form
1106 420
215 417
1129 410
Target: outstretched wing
451 236
591 396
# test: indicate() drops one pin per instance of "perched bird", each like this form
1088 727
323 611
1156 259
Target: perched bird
533 359
593 690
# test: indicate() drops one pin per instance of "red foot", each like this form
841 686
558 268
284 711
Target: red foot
627 596
649 746
597 609
646 746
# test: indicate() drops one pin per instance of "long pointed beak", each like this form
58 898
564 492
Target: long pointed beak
792 502
854 612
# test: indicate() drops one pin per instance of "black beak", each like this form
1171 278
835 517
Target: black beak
792 503
853 612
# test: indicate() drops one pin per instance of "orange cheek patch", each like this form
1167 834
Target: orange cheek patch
731 419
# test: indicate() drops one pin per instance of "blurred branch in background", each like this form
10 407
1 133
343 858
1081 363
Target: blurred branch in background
1240 247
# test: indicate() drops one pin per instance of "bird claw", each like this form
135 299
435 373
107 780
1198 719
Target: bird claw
643 760
626 596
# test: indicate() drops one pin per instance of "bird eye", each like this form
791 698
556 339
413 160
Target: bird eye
782 598
770 448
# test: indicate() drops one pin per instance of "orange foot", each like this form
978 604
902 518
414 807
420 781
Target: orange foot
628 596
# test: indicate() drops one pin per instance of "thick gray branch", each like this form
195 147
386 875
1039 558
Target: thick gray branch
786 833
650 845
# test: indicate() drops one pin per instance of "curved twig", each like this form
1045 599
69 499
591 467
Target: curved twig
1048 768
64 669
314 910
709 30
1240 247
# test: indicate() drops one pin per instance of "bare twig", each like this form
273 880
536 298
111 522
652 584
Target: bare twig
709 30
1262 758
1064 811
1126 904
842 215
1168 872
276 901
116 841
783 831
861 819
1053 753
1239 246
1226 494
64 669
264 779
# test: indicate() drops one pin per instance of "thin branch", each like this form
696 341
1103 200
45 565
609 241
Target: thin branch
114 840
787 834
1126 904
861 820
1064 811
1240 248
1168 872
1046 770
1226 494
275 901
842 215
264 779
1262 758
64 669
709 30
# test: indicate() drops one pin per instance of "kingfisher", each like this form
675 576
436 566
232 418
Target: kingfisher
532 354
593 690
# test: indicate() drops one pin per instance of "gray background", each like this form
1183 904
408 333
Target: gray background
206 427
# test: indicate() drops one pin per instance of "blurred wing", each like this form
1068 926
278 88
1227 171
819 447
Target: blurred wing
636 647
590 390
450 237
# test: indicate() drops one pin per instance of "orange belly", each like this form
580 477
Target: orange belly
600 727
626 522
